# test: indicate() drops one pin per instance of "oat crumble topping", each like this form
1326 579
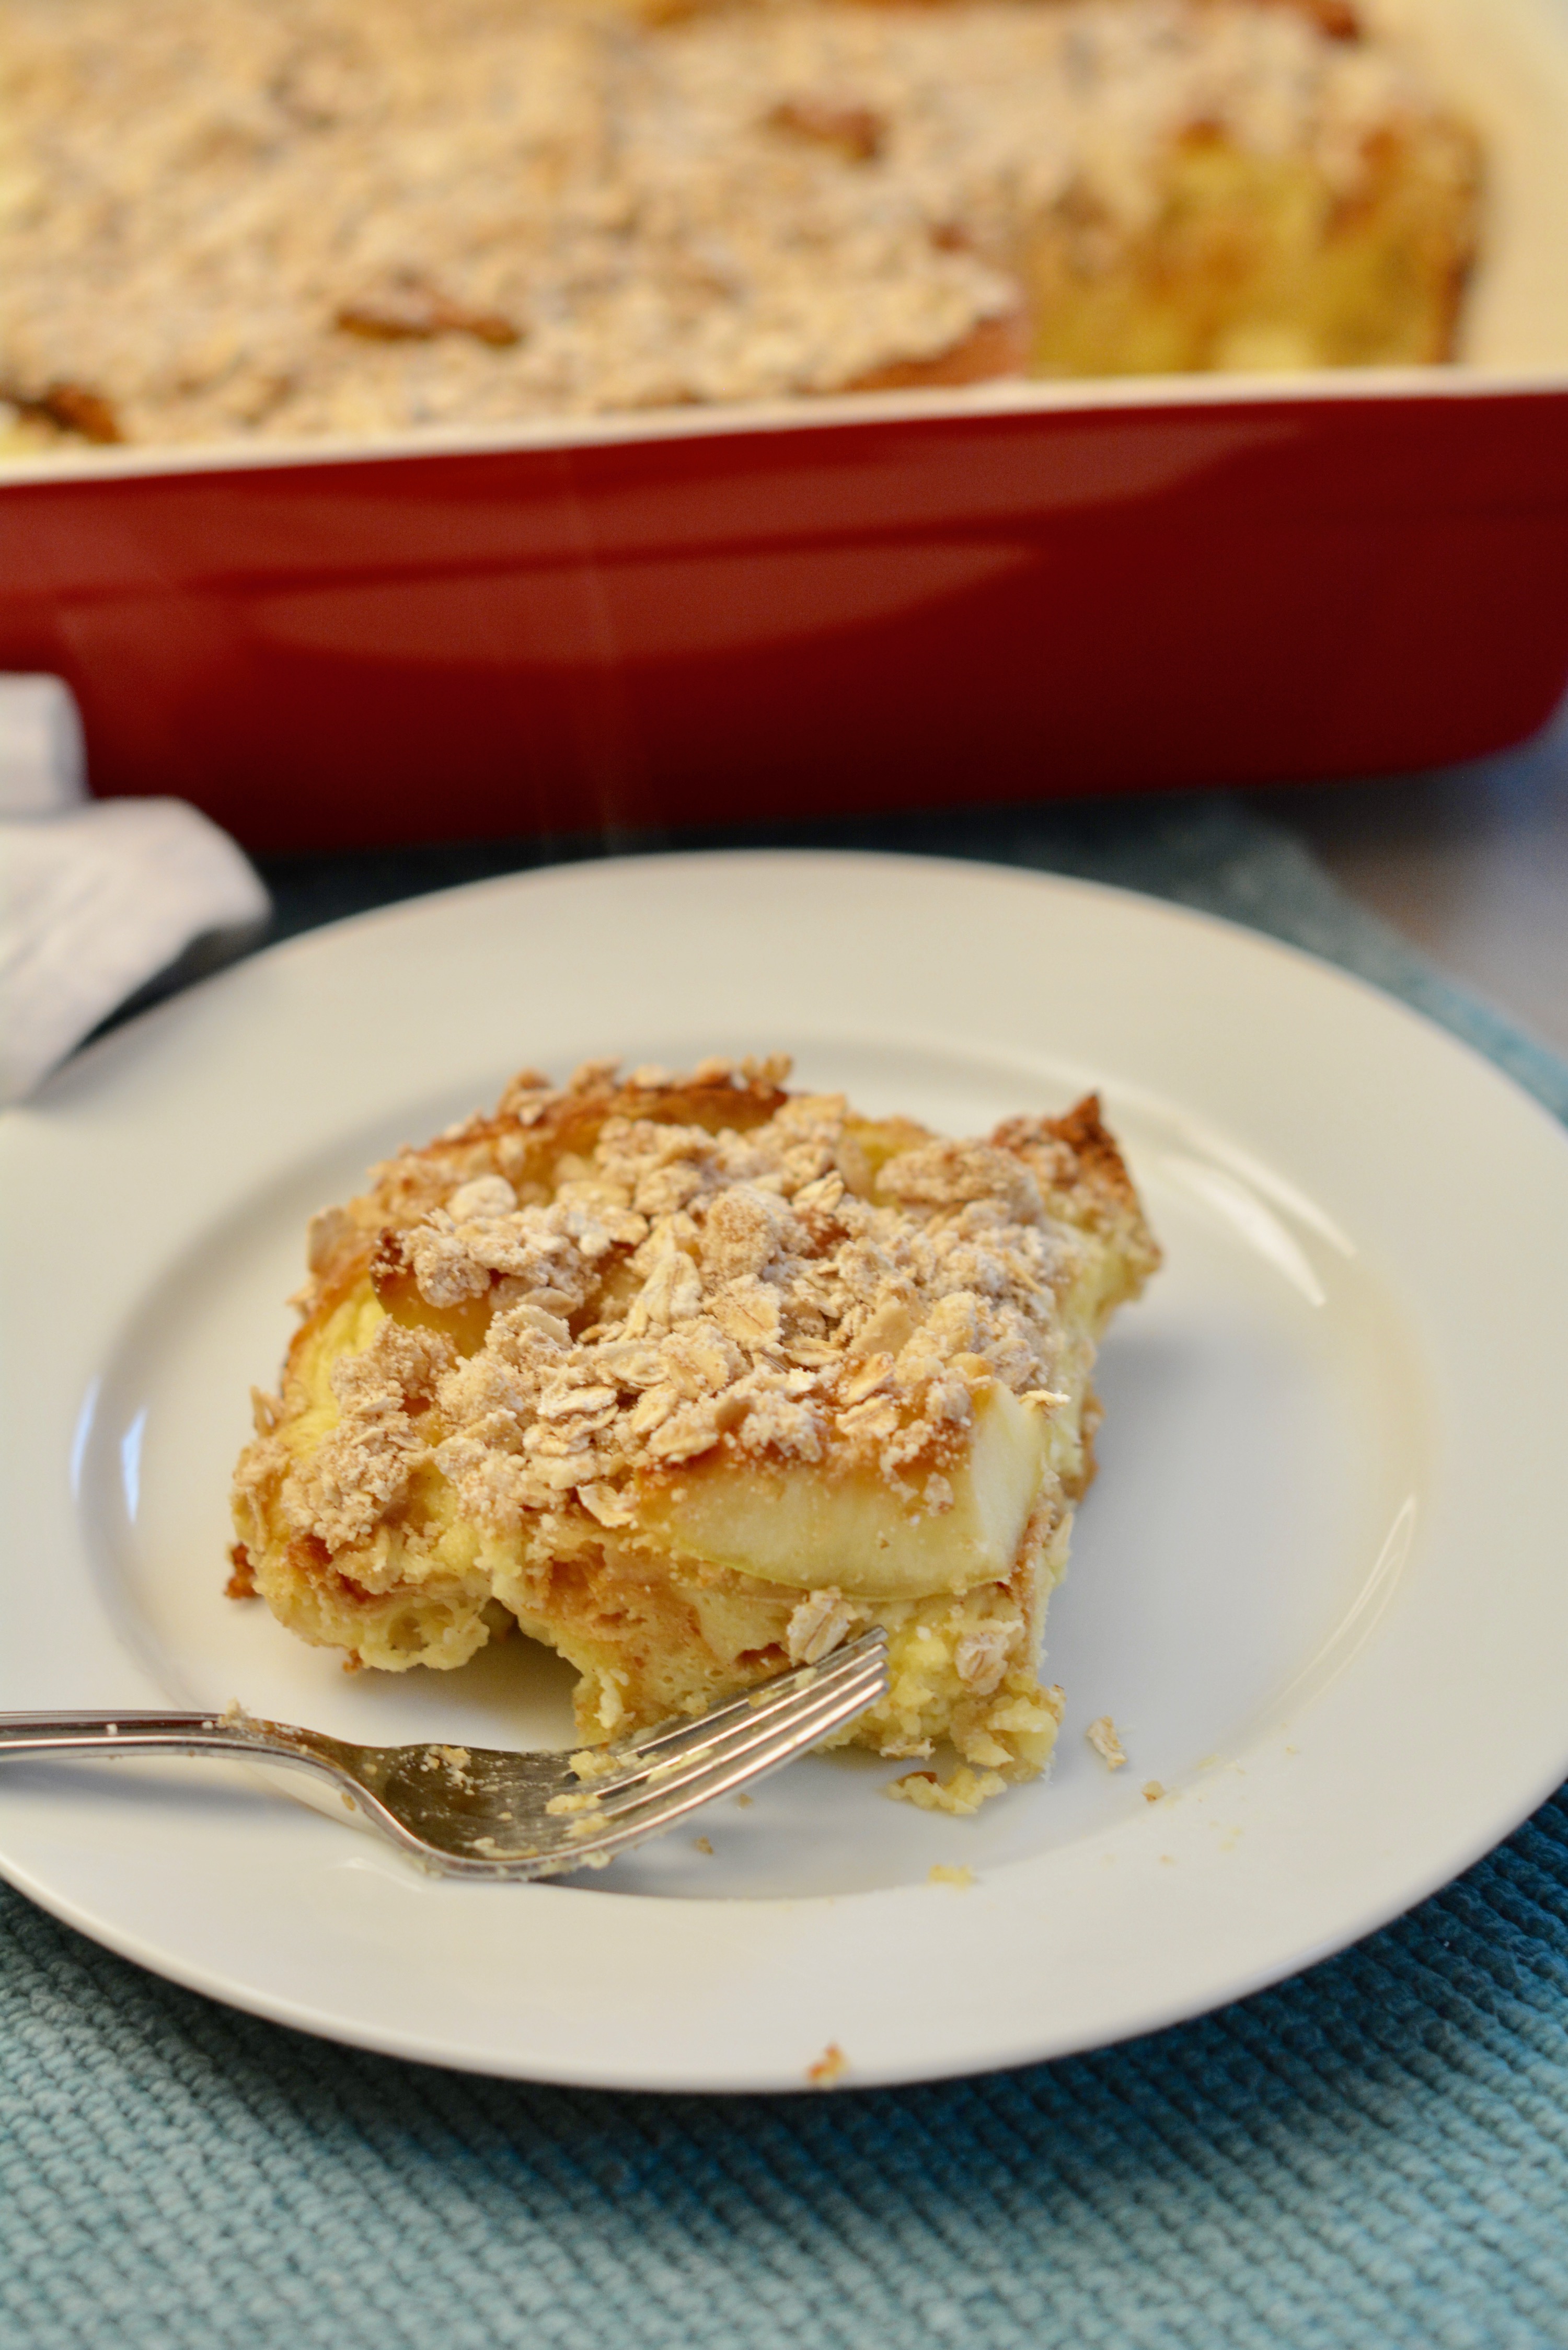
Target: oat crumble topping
300 217
739 1292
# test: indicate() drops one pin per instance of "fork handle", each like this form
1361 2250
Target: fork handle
135 1731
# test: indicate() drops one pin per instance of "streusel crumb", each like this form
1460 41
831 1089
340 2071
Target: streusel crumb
1103 1736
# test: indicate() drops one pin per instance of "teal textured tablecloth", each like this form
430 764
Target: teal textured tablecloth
1373 2154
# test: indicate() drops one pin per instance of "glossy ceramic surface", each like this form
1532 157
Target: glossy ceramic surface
877 611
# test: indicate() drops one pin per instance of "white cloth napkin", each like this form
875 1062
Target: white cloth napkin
97 897
43 760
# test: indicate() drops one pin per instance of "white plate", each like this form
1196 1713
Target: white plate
1320 1583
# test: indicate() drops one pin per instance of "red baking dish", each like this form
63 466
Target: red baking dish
999 592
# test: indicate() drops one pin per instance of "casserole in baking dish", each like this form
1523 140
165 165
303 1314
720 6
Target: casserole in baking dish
285 218
910 593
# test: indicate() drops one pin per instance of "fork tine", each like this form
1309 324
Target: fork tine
738 1734
667 1803
732 1763
735 1765
740 1739
667 1744
873 1642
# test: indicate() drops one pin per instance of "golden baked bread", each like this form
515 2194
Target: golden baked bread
289 218
692 1377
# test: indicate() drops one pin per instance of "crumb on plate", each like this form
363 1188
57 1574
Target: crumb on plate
1103 1736
830 2068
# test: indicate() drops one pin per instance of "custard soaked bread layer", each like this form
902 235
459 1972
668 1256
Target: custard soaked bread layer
296 218
691 1378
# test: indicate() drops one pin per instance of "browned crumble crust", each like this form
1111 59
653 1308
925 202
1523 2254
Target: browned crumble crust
242 1583
521 1342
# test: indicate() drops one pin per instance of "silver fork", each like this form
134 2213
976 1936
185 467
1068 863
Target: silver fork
479 1811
